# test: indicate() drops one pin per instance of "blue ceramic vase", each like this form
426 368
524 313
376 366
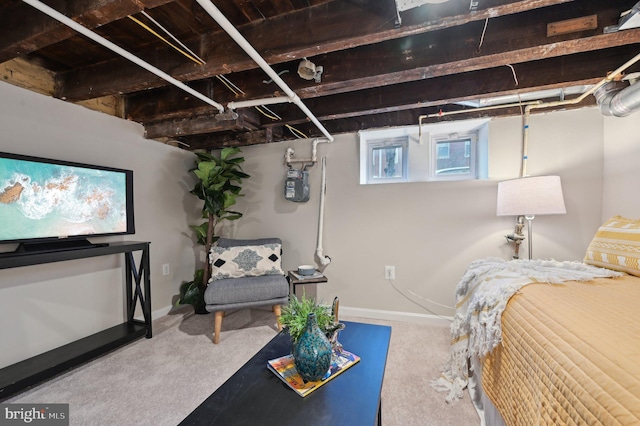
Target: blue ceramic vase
312 352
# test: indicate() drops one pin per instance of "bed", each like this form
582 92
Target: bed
567 351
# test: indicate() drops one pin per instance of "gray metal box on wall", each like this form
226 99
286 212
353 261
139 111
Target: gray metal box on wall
296 186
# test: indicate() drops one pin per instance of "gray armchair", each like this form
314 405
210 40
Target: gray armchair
224 294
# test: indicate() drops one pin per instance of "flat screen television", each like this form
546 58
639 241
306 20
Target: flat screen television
48 205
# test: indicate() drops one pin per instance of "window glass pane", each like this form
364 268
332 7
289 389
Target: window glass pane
458 159
387 162
443 150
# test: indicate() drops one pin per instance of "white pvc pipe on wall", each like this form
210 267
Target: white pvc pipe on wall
324 260
120 51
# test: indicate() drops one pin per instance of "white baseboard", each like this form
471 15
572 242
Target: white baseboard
161 312
157 313
361 313
396 316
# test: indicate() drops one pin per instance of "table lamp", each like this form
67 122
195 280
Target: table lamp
529 197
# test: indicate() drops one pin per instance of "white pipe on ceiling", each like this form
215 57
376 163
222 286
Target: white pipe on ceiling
259 102
120 51
215 13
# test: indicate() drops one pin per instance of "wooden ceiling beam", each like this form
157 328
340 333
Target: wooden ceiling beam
364 74
207 123
354 124
231 139
552 73
459 50
410 117
308 32
25 29
555 72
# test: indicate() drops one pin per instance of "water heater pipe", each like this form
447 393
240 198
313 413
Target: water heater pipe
324 260
215 13
120 51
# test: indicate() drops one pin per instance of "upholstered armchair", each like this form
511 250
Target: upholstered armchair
245 274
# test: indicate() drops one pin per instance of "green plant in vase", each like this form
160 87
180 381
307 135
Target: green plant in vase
313 329
294 316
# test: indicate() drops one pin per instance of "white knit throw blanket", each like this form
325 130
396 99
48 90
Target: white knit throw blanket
481 297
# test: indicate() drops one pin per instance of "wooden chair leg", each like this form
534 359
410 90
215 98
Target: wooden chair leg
278 311
217 326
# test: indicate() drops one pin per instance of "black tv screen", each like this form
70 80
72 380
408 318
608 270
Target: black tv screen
45 200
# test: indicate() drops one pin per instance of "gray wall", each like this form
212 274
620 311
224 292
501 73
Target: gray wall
621 171
429 231
45 306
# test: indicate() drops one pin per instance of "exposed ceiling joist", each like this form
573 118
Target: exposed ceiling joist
375 73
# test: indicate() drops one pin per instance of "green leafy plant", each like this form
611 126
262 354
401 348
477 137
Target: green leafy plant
218 186
294 316
190 293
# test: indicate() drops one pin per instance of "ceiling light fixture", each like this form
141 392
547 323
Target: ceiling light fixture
309 71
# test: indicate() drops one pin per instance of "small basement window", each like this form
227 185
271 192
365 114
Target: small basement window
455 156
387 160
441 152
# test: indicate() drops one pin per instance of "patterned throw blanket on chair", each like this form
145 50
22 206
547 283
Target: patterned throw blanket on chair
482 295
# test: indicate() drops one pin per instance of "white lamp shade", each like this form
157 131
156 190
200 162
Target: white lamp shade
530 196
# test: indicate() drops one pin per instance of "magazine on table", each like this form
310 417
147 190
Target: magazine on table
285 369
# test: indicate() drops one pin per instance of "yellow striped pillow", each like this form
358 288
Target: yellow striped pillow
616 246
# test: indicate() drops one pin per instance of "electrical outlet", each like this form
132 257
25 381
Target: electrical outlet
390 272
166 269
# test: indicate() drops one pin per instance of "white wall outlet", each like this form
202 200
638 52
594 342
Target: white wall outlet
390 272
166 269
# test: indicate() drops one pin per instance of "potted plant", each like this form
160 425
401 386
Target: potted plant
218 186
314 330
294 316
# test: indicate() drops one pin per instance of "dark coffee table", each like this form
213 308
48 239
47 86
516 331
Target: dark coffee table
255 396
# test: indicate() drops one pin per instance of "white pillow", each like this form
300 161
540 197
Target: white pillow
245 261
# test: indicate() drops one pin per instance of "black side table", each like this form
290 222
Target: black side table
296 279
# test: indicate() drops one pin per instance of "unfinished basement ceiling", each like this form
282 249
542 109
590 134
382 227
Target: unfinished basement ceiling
380 66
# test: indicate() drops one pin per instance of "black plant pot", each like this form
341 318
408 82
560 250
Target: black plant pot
200 310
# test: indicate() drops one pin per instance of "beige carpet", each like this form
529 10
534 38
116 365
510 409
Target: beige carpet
159 381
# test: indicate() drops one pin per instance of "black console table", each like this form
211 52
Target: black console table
29 372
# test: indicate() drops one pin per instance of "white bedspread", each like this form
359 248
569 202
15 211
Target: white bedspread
481 296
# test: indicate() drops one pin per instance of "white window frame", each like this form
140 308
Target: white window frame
472 139
421 158
401 142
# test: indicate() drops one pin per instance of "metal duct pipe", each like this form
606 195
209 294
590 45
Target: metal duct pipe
120 51
618 99
215 13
